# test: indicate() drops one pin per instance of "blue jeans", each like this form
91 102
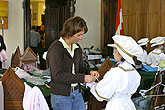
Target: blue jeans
73 102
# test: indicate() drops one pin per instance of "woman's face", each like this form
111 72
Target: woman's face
116 55
76 37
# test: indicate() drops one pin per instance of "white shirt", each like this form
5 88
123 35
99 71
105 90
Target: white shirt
154 57
143 58
33 99
117 86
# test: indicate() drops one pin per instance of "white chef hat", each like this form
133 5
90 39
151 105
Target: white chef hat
143 41
157 41
127 47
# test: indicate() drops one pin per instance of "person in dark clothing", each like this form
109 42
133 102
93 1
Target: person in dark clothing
41 47
68 68
2 44
2 47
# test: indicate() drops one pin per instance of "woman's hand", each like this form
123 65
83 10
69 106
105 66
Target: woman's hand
95 73
89 78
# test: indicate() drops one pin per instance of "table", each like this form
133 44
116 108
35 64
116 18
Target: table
147 79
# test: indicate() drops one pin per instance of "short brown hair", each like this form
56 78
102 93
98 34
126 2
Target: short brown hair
72 26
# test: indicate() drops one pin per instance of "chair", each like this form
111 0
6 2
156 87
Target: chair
158 101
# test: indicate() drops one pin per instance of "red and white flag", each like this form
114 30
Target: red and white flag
119 30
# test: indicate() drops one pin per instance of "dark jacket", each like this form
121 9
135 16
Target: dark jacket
3 46
60 63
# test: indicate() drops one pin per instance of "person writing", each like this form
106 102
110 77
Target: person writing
122 80
67 67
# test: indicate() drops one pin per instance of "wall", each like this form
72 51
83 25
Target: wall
13 36
41 11
144 18
36 11
90 10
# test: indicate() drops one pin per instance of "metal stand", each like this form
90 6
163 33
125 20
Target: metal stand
72 7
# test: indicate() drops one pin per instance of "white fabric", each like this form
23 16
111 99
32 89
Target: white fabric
21 73
128 45
118 86
143 41
154 57
44 55
143 57
1 96
33 99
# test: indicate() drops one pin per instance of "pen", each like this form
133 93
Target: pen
96 78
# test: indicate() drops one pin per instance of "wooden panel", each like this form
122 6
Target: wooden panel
124 6
153 25
106 65
154 6
125 24
163 24
162 6
57 11
141 26
131 7
13 90
93 103
132 25
15 58
142 6
29 56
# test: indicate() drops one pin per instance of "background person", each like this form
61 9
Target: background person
41 47
67 67
156 55
3 56
143 43
34 39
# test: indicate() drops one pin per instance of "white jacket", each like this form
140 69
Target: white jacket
117 86
33 99
143 58
155 57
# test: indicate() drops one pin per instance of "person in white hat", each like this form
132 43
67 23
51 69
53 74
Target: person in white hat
156 55
143 43
163 48
121 81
